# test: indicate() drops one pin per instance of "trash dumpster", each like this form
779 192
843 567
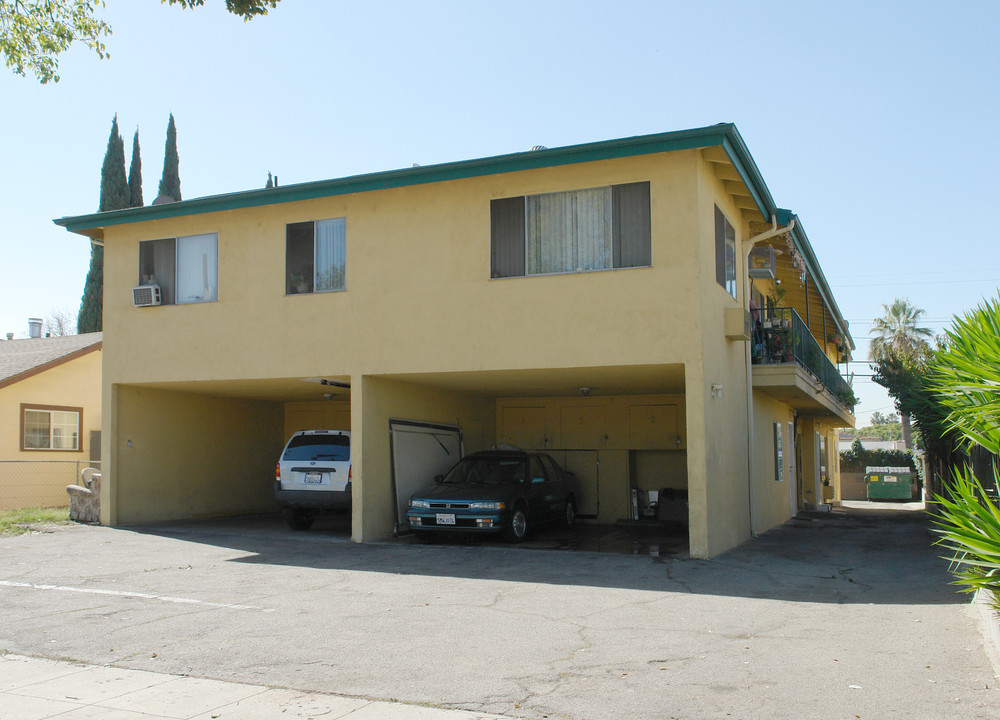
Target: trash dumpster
889 483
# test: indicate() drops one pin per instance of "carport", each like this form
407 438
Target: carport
207 449
621 430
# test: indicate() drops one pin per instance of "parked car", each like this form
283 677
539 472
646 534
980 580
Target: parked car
313 475
495 491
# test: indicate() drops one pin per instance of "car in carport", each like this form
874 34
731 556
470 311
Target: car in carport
495 491
313 475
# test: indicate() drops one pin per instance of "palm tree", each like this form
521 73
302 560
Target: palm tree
896 334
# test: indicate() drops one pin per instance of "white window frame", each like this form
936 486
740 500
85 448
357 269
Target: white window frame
210 267
315 252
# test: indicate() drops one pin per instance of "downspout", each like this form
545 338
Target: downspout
748 245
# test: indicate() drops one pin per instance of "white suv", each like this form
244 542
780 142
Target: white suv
313 475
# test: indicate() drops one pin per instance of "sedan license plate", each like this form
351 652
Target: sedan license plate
313 478
445 518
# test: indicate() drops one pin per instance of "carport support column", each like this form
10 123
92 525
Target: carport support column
109 454
696 464
372 512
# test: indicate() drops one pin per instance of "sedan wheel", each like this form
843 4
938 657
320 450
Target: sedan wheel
517 525
569 516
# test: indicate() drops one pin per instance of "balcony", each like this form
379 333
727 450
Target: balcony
790 365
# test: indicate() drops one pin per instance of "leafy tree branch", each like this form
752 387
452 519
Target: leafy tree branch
34 32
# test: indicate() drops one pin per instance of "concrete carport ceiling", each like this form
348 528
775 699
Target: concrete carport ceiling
270 389
613 380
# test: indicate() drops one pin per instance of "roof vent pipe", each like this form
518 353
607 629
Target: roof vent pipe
34 327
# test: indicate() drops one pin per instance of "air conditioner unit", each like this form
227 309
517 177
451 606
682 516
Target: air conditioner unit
762 262
146 295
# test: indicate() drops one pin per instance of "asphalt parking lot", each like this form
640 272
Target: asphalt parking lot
837 615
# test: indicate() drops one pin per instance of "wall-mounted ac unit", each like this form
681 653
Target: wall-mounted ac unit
762 262
146 295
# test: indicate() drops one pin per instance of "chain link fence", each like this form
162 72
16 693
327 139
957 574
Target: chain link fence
38 483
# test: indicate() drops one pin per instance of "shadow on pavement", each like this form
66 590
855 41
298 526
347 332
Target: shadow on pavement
850 555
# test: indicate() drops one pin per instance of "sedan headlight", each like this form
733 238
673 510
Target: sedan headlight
487 506
419 503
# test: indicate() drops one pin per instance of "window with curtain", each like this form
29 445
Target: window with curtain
725 252
576 231
315 256
50 428
185 268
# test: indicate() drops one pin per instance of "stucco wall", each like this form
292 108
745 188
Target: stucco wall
182 455
772 498
718 425
418 278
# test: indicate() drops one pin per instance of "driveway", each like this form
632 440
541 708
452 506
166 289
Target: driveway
838 615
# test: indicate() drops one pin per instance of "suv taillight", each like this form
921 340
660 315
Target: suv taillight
350 472
277 472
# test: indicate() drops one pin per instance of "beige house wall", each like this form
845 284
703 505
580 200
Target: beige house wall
39 478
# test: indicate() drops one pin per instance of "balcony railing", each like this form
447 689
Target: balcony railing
781 336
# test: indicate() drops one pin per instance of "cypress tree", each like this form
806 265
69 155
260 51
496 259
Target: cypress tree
170 182
135 174
114 196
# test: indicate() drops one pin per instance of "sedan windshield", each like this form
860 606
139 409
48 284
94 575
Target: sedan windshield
487 471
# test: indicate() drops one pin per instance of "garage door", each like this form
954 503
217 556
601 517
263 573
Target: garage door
419 452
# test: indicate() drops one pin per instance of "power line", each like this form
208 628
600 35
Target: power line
917 282
964 271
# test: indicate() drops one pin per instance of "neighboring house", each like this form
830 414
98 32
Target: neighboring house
50 416
593 301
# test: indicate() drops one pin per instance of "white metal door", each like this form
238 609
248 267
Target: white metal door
420 451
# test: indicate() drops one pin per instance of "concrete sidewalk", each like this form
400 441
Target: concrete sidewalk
34 688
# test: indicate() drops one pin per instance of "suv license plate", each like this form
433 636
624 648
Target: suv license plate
313 478
445 518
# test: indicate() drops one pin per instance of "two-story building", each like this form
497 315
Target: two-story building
595 301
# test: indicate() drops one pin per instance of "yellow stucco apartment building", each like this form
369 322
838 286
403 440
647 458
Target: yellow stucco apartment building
639 308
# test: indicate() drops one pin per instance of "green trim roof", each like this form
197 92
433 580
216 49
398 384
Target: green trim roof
725 135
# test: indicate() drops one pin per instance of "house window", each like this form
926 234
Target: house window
577 231
725 252
185 268
46 427
315 256
779 454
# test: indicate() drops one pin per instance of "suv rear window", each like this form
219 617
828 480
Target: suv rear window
318 447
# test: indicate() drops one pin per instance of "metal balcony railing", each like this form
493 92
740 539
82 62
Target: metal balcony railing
781 336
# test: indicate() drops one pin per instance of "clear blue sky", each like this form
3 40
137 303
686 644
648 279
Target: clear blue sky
874 121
